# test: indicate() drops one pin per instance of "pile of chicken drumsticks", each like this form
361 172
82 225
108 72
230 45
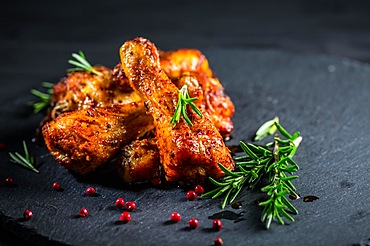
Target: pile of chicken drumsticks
125 113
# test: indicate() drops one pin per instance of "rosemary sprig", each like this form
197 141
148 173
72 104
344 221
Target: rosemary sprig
44 98
273 161
183 100
26 161
82 64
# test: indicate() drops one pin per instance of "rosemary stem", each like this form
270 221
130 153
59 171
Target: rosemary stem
274 161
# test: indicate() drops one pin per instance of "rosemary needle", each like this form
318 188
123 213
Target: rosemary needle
82 64
183 100
44 98
26 161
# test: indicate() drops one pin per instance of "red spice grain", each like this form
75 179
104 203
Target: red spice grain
175 217
9 181
27 215
218 241
130 206
191 195
217 224
193 223
125 217
199 190
90 191
83 212
120 203
56 186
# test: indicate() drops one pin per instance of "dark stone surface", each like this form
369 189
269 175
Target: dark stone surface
309 93
268 55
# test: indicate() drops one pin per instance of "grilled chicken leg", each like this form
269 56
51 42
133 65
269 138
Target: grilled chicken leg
187 153
85 139
178 65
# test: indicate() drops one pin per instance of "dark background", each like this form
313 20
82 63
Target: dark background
45 33
53 29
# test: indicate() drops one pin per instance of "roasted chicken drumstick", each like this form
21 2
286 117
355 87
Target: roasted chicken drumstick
84 104
84 140
187 153
179 63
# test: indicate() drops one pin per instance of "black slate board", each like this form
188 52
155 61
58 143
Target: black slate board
326 98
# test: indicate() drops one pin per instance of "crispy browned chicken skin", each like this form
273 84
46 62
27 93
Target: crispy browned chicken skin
175 63
83 89
139 161
85 139
179 64
187 153
182 63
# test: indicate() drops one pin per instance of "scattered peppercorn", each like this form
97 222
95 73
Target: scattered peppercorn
125 217
120 203
90 191
217 224
193 223
175 217
27 215
218 241
56 186
191 195
130 206
84 212
9 181
199 190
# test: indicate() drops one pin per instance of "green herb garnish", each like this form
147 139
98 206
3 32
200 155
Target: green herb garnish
44 98
273 161
26 161
268 128
82 64
183 100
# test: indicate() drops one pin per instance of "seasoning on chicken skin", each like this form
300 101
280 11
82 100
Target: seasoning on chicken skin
187 153
175 63
120 79
139 161
83 89
85 139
